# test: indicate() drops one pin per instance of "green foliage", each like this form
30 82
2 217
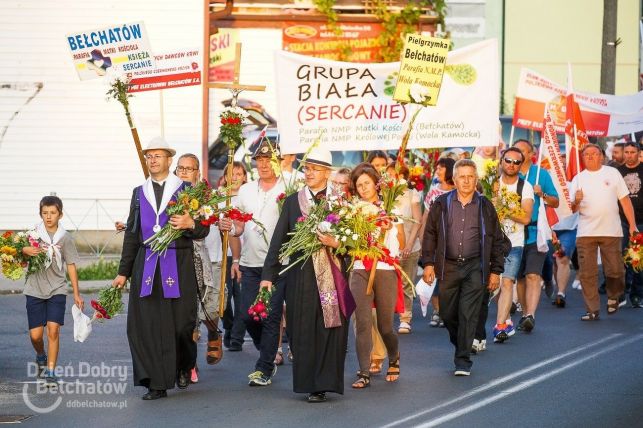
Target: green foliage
103 269
395 24
326 7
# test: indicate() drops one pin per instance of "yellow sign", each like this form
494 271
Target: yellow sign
422 66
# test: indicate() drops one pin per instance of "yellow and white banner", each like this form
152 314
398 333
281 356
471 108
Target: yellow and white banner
351 105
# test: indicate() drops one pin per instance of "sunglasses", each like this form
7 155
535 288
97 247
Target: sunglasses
512 161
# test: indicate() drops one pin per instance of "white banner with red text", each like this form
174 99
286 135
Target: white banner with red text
350 105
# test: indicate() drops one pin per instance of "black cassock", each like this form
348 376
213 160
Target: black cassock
159 330
319 352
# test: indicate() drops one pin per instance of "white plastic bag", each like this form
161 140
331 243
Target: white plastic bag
82 324
424 291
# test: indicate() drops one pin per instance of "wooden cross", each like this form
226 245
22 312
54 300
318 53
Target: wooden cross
235 89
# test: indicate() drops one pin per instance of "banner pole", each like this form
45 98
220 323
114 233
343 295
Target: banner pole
511 135
162 113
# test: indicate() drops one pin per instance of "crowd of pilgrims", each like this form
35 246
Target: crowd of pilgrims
303 327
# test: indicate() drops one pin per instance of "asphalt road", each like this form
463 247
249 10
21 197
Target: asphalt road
566 373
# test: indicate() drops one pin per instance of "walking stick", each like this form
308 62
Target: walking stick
226 235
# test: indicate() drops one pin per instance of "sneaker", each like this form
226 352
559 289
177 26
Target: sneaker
50 378
518 307
510 330
499 333
478 346
435 320
462 372
576 285
527 323
41 362
405 328
257 378
194 375
622 301
549 289
559 301
637 302
514 308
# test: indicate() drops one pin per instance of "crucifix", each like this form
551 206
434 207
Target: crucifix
235 89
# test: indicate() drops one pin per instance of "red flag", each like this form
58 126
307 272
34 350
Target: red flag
575 142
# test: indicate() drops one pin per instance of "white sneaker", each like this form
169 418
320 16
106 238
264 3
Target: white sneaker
405 328
482 345
576 285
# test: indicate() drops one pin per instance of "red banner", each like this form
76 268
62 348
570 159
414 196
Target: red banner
315 39
167 81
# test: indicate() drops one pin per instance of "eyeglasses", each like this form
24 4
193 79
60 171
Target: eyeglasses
154 157
512 161
186 169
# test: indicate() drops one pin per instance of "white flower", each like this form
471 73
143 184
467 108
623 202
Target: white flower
348 232
418 93
34 234
207 211
324 227
402 181
343 239
355 236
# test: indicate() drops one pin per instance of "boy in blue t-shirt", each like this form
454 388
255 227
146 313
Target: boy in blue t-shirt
46 290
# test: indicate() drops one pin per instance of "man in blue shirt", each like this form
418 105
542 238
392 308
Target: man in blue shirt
531 268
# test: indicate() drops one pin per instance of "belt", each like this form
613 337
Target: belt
462 260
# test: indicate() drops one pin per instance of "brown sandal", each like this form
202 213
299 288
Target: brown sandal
612 306
393 372
376 366
215 351
363 380
590 316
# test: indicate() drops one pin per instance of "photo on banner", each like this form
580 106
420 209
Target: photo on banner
117 50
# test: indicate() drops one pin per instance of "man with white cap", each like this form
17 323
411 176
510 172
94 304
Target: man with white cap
317 328
259 197
161 312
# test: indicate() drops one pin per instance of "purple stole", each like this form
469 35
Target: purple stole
167 260
334 292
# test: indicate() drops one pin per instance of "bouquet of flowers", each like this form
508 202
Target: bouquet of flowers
634 252
416 178
490 180
352 223
232 121
14 263
559 251
390 190
261 307
508 204
203 204
109 304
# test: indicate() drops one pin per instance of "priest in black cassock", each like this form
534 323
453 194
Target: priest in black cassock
163 298
318 300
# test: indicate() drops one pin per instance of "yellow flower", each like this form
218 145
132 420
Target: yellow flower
194 204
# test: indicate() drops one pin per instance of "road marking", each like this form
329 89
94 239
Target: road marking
501 380
524 385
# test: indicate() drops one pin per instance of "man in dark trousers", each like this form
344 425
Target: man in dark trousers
464 248
632 172
317 328
162 311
